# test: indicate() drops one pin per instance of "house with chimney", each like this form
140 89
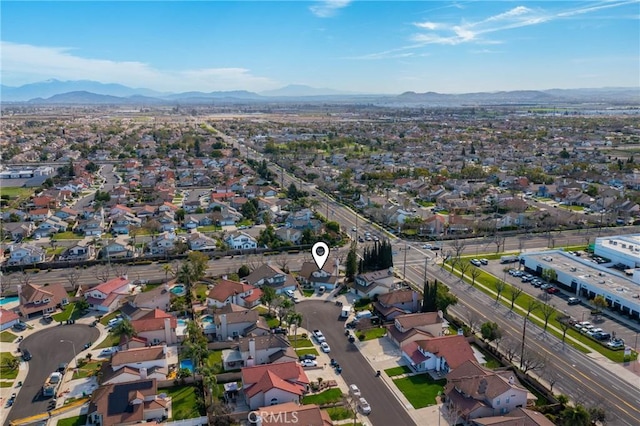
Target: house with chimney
235 323
271 384
517 417
370 284
474 392
272 276
232 292
410 327
328 276
160 356
106 297
441 354
26 254
250 351
127 403
156 326
307 414
38 300
156 298
399 302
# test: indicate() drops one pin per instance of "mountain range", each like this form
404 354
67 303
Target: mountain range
93 92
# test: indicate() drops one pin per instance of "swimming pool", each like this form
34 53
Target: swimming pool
9 299
207 319
178 290
188 364
182 322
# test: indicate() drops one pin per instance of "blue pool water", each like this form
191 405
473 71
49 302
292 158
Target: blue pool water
186 363
6 300
182 323
178 290
207 319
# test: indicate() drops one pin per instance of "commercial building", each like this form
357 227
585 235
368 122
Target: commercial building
587 278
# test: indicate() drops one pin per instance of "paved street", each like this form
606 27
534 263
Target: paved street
386 408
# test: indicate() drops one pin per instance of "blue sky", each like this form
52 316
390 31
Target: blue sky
356 46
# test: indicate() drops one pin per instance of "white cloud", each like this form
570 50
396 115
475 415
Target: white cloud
517 17
328 8
24 63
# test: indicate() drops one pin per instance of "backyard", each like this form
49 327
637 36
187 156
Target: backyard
326 397
184 402
420 389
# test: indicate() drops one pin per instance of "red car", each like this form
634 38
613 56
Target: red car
552 290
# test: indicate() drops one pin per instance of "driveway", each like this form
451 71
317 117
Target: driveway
386 409
48 353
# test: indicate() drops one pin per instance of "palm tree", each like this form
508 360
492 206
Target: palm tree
284 308
166 268
124 328
209 384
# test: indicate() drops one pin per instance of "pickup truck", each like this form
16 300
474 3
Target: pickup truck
319 336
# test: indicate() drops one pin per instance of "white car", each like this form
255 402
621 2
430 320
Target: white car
354 391
427 246
325 347
364 406
309 363
319 336
108 351
290 293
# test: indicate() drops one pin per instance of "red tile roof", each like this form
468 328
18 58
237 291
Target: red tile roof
454 349
290 372
227 288
111 285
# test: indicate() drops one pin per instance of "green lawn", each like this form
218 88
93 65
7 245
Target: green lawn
6 384
105 319
110 341
308 292
340 413
572 208
15 191
326 397
209 228
421 390
5 372
88 370
184 402
215 357
399 370
7 337
307 351
272 321
201 290
69 313
372 333
73 421
300 342
66 236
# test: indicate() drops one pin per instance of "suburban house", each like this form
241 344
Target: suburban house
273 276
78 252
37 300
127 403
18 230
328 276
440 354
115 250
288 234
106 297
156 327
40 215
163 243
148 357
199 241
398 302
473 392
517 417
374 283
91 227
307 414
241 241
129 374
410 327
226 292
25 254
267 349
271 384
8 319
239 323
157 298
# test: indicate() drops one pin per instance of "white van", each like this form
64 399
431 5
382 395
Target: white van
363 314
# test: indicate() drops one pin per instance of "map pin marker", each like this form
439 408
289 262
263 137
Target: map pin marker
320 253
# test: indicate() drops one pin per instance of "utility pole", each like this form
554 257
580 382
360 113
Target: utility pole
524 332
404 268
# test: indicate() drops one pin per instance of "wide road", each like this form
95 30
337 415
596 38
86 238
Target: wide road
578 376
47 354
385 408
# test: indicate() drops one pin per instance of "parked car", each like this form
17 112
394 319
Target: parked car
484 261
290 293
307 357
309 363
325 347
108 351
552 290
617 343
475 262
354 391
20 326
26 355
363 406
573 301
427 246
317 334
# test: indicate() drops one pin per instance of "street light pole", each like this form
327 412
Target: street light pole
75 357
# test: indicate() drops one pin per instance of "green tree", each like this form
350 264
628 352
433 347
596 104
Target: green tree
180 214
285 306
490 331
549 274
124 329
333 226
243 271
500 286
430 296
445 298
268 297
351 268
